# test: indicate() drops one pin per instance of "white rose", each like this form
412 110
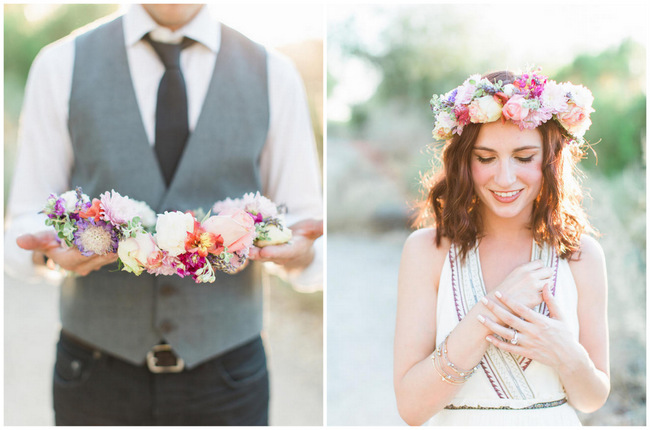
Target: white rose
146 214
70 198
485 109
171 231
275 237
134 252
581 96
509 90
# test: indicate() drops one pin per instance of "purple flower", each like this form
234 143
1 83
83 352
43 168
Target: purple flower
59 206
95 237
451 100
257 218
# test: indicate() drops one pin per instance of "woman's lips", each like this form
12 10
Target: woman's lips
506 196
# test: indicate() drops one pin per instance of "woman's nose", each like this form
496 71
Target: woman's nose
505 174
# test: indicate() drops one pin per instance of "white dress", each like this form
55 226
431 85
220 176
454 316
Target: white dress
506 389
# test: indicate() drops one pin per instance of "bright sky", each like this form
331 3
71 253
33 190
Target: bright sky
549 34
273 24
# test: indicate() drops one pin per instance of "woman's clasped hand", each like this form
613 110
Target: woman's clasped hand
523 331
524 284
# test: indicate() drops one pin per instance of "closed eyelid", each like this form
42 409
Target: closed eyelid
527 151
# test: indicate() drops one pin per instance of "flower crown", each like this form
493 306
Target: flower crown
531 100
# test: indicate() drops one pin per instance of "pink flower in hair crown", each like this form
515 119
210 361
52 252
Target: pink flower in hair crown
529 101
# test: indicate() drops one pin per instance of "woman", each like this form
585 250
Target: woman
501 315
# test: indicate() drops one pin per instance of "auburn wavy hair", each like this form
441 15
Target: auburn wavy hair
558 218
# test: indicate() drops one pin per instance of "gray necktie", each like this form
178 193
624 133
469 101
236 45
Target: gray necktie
172 128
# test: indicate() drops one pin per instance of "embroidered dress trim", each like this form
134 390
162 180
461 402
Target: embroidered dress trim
504 370
542 405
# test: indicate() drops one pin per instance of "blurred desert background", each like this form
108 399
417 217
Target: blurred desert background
384 63
293 319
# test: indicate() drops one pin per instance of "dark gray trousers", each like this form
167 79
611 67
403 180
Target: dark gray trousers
94 388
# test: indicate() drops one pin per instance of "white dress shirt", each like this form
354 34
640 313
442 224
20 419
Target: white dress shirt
289 167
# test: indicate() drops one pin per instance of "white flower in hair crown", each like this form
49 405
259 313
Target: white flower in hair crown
531 100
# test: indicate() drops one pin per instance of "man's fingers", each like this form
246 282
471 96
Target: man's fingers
95 263
40 241
28 242
254 253
312 229
277 252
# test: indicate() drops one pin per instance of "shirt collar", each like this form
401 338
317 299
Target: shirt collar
203 28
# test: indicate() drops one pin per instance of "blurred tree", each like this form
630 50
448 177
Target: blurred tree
27 29
617 79
413 62
25 37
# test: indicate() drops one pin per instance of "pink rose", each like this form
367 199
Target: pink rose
462 114
514 109
576 120
235 226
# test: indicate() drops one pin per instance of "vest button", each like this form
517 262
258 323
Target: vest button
166 327
167 290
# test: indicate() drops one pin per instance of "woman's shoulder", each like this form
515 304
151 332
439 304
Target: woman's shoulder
589 254
421 264
422 253
424 241
588 264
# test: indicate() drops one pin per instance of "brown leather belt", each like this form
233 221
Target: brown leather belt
160 359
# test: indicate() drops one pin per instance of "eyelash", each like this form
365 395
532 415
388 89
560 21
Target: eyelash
489 159
484 160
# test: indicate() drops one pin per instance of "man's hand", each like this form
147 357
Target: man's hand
45 244
299 252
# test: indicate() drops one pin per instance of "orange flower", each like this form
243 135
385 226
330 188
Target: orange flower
203 242
95 211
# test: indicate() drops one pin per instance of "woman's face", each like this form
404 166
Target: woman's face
507 169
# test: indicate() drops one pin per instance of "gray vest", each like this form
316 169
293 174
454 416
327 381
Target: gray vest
117 311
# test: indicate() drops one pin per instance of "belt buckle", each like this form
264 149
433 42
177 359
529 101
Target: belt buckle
153 357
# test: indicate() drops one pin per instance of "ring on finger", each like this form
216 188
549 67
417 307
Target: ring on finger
514 339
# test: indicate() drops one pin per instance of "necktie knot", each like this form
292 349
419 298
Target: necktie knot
169 53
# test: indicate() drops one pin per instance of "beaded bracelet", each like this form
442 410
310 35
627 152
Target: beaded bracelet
460 372
446 377
463 375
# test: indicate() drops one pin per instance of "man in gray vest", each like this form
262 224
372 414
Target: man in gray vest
165 105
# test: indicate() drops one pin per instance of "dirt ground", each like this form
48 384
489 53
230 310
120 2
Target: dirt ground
361 303
293 336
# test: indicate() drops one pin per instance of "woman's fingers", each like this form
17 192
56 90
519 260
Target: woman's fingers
504 316
506 346
504 332
544 273
553 308
521 311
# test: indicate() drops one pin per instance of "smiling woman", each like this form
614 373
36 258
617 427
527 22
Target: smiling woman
508 285
507 169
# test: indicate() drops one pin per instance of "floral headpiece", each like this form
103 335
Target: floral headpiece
531 100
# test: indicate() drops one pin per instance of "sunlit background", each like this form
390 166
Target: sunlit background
384 64
294 321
